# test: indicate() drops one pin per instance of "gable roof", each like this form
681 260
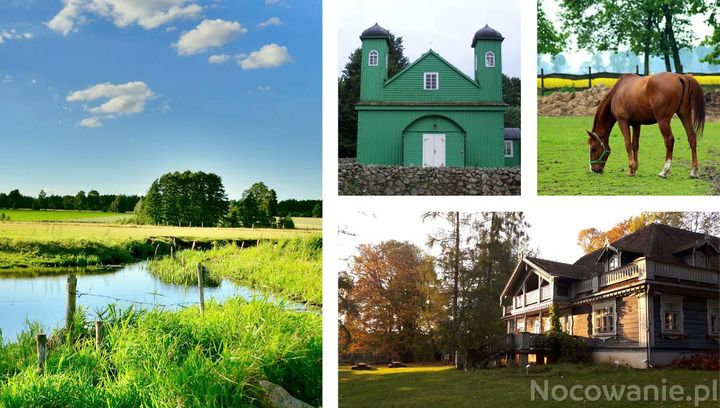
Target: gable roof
512 133
563 270
426 55
657 242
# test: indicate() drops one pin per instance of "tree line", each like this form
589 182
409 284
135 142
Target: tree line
92 201
184 199
651 28
397 299
349 94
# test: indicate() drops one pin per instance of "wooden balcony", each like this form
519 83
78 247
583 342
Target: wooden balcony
526 342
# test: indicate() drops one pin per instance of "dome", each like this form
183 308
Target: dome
487 33
375 32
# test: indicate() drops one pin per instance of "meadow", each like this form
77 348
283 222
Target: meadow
291 268
157 358
705 80
563 161
443 386
62 216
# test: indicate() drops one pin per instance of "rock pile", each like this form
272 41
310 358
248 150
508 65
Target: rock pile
358 179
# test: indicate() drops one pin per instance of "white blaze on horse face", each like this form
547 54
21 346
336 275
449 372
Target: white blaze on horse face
666 169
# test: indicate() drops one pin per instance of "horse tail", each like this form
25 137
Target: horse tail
696 99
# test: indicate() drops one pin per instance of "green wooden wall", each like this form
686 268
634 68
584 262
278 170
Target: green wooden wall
489 79
515 160
454 140
372 78
381 131
408 86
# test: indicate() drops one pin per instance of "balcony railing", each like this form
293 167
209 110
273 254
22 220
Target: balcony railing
545 293
527 341
619 275
687 273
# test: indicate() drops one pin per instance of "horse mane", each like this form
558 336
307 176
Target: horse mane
603 110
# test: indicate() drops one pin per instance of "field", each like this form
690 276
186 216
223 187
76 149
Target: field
705 80
170 359
308 223
563 161
442 386
63 216
289 268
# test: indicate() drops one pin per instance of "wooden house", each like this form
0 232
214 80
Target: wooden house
431 114
647 299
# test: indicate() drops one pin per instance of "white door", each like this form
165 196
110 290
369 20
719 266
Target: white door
433 150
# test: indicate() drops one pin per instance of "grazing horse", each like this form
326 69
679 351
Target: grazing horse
635 101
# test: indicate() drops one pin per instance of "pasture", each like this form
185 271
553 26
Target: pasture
63 216
563 161
704 80
443 386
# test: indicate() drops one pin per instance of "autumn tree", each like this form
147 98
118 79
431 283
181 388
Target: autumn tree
393 290
591 239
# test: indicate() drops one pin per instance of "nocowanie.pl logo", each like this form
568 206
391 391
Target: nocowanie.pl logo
664 392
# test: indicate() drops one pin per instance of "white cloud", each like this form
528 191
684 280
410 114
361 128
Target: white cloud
7 79
33 82
263 88
122 99
91 123
145 13
13 34
208 34
269 56
218 58
272 21
272 2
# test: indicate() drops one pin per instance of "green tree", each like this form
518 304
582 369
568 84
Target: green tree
349 93
42 200
80 200
317 210
549 39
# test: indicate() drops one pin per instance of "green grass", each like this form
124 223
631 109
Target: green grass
307 223
63 216
289 268
50 244
563 161
171 359
442 386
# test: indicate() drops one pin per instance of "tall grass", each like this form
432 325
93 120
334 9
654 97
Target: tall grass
291 268
171 359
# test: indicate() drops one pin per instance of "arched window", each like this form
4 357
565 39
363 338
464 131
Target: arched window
489 59
373 58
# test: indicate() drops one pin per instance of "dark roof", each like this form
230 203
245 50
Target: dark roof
375 32
486 33
512 133
564 270
657 242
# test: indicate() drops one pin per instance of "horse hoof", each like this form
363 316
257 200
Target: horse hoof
694 173
663 175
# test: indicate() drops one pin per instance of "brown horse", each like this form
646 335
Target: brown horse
635 101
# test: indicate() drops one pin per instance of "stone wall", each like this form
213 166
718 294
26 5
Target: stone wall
358 179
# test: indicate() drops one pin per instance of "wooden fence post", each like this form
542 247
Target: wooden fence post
201 282
41 341
589 77
637 69
98 334
70 305
542 81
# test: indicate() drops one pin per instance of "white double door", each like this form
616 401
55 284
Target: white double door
433 150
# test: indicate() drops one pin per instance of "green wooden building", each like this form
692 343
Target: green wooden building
512 147
431 114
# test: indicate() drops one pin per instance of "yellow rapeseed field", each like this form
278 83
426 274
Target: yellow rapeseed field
609 82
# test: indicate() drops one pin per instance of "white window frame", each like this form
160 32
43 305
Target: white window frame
713 310
696 260
595 309
520 325
371 54
490 63
614 262
509 143
425 81
681 318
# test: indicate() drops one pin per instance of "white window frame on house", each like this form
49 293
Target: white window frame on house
509 148
602 308
700 260
614 262
713 316
490 59
373 56
676 308
425 81
520 325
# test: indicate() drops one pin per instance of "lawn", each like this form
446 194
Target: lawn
563 161
307 223
442 386
64 216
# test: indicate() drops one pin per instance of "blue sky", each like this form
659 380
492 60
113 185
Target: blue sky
111 94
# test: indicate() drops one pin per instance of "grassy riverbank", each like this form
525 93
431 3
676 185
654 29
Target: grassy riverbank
172 359
44 244
291 268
